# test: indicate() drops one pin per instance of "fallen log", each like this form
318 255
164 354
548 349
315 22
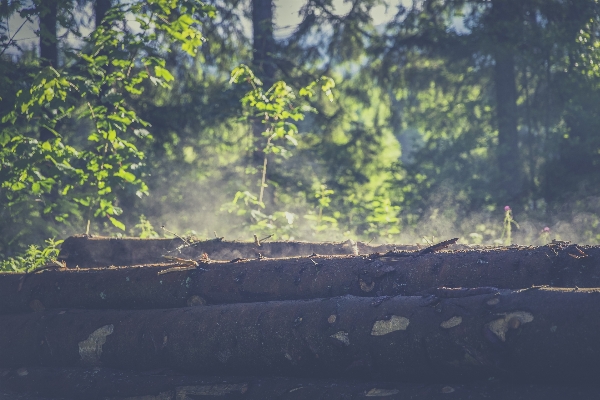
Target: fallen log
95 251
105 383
537 335
85 251
402 273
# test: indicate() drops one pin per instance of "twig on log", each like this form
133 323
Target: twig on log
176 235
448 293
266 237
51 265
438 247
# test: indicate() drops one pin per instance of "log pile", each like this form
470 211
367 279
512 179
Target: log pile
515 322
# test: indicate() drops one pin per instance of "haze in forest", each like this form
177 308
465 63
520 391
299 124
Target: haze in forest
466 119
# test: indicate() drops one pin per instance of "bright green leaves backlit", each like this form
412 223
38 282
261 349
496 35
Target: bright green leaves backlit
278 105
43 162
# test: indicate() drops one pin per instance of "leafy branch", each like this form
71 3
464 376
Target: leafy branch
278 109
112 66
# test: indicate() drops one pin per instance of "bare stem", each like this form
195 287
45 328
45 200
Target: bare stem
264 172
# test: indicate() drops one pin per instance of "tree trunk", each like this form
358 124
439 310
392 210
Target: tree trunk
263 45
300 278
101 7
48 13
535 336
505 20
508 138
105 383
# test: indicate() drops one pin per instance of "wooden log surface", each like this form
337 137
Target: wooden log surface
541 335
95 251
405 273
85 251
106 383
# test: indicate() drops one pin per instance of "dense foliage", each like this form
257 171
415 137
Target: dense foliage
139 114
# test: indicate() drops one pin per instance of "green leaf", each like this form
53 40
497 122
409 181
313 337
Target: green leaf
163 73
47 146
16 186
126 175
117 223
35 188
4 138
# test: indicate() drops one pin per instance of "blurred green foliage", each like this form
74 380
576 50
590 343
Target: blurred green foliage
442 115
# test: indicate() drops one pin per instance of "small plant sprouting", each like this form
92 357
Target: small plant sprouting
508 223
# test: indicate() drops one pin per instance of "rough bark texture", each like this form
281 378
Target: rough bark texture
534 336
404 273
505 19
105 383
88 251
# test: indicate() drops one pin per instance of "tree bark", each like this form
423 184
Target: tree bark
101 7
374 276
106 383
533 336
505 20
87 251
48 13
263 45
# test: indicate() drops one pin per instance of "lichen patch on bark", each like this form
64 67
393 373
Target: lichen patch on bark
395 323
90 349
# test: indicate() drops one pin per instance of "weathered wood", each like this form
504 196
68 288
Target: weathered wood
6 395
94 251
299 278
534 336
87 251
104 383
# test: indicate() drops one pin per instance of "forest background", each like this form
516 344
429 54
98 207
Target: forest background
383 121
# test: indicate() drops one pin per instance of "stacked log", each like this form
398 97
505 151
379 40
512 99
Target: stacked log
102 383
518 322
85 251
371 275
